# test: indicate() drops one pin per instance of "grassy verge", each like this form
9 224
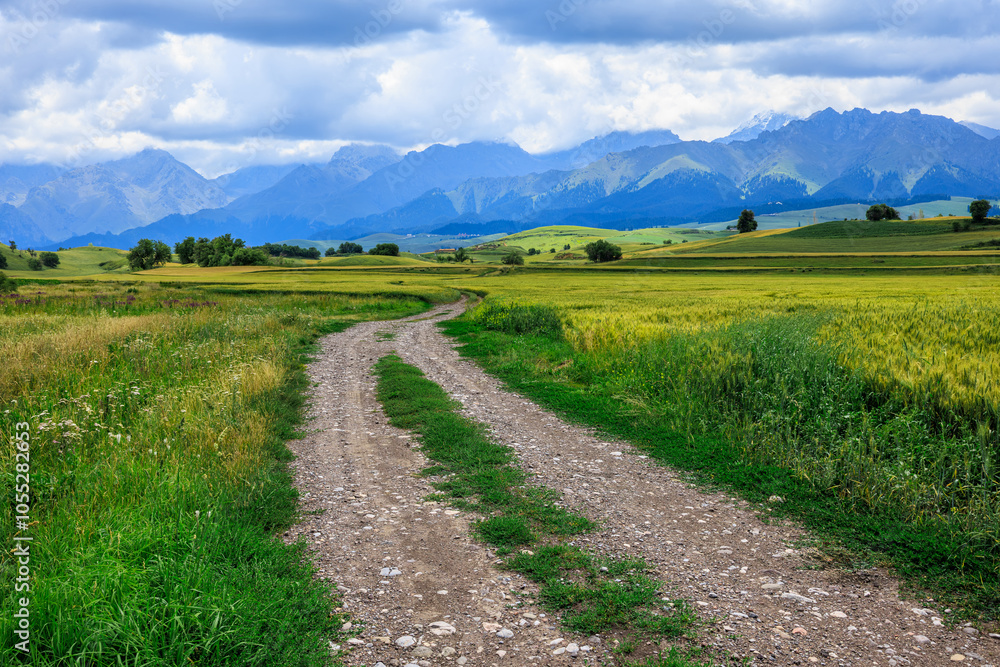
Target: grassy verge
759 408
157 423
592 595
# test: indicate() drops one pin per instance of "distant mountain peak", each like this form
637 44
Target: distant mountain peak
981 130
765 121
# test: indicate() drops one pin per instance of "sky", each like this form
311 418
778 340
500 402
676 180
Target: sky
224 84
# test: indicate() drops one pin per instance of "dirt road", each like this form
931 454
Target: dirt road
424 592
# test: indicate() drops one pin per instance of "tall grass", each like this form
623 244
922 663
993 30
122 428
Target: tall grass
158 472
759 400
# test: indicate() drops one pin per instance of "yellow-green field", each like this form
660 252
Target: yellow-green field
74 262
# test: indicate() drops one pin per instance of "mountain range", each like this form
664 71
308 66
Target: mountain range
618 180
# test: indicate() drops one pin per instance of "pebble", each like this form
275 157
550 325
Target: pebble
772 587
800 631
958 657
797 597
346 627
492 627
994 635
447 652
572 649
970 631
422 652
406 641
921 639
838 614
379 664
501 653
559 651
442 629
462 660
505 634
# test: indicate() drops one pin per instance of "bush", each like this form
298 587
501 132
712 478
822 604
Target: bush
147 253
7 285
3 261
35 264
881 212
512 258
602 251
385 249
49 259
979 209
348 248
227 251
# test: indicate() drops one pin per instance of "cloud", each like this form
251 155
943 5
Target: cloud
254 82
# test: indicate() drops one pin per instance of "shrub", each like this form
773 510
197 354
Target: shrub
147 253
385 249
49 259
348 248
881 212
3 261
512 258
602 251
7 285
35 264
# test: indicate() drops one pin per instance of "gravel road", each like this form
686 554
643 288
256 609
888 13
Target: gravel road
423 592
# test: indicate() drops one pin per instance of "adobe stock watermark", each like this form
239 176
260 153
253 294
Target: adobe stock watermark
899 14
714 28
280 120
114 113
381 19
21 440
33 23
453 119
561 13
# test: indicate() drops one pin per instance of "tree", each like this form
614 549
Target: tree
49 259
35 264
185 250
461 255
532 251
747 222
147 253
13 246
566 247
980 209
881 212
7 285
348 248
512 258
386 249
602 251
3 261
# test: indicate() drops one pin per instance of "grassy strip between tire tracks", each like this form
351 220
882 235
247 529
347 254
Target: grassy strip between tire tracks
525 523
955 567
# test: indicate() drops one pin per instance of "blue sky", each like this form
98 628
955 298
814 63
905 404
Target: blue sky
228 83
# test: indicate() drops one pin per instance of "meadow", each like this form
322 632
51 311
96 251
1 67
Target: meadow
159 402
157 419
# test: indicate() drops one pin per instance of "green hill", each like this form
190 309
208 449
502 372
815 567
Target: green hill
85 261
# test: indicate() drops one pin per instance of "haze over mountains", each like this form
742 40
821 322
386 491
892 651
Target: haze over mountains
621 179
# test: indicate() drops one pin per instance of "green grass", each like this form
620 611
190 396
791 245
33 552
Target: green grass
159 474
84 261
855 229
404 259
592 595
759 409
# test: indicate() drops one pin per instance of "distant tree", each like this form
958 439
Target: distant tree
386 249
461 255
348 248
747 222
49 259
7 285
979 210
330 252
602 251
147 253
185 250
35 264
512 258
3 261
13 246
566 247
552 250
532 251
881 212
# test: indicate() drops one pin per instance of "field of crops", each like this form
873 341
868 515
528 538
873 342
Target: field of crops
881 391
156 419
